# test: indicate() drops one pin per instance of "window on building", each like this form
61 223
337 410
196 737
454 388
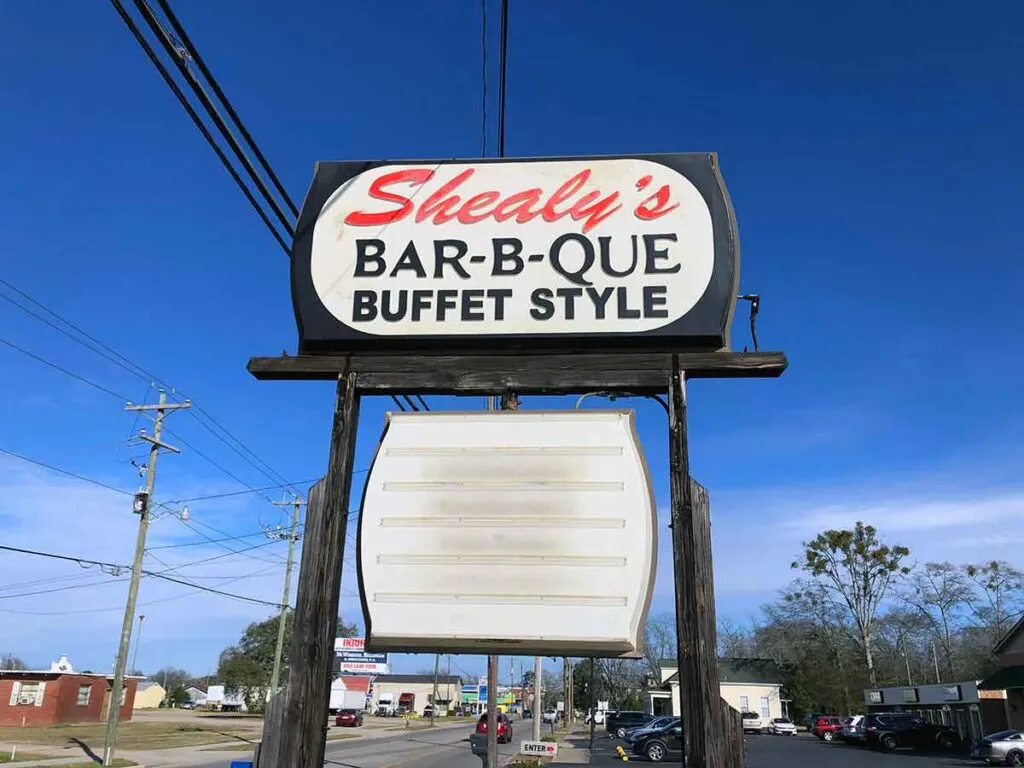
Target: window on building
744 704
83 695
27 694
766 712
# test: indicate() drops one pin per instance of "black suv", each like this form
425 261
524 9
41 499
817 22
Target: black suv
898 729
617 723
662 744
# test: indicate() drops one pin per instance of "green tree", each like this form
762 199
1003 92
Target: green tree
177 696
246 667
856 571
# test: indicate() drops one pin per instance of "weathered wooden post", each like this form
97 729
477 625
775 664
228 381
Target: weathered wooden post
301 740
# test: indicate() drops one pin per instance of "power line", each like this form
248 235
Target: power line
251 490
65 371
180 32
117 567
179 54
147 48
207 541
111 355
503 75
483 78
52 468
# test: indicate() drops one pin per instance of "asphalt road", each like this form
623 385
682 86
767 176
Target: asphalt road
446 747
803 752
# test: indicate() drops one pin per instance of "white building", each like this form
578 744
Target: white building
748 685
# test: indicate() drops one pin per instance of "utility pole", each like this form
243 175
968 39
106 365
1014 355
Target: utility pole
138 640
293 536
433 701
538 696
935 660
141 508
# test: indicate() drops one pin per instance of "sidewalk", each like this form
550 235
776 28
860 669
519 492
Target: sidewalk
574 747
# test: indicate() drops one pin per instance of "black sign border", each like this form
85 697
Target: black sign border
705 327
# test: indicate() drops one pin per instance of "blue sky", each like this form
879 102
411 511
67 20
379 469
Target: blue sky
872 152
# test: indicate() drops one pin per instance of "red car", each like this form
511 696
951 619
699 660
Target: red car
504 727
349 718
828 728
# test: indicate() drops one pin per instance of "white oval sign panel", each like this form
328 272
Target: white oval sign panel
495 532
545 250
515 248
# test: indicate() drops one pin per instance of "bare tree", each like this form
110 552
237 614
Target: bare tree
941 593
857 571
999 600
11 662
659 642
736 641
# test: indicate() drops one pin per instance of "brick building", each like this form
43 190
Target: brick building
59 695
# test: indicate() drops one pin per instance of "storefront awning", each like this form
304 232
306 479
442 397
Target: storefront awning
1008 677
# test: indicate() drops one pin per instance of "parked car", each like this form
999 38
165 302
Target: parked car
504 727
896 729
348 718
550 716
1001 748
752 722
853 730
619 722
783 726
660 745
810 719
657 724
527 714
828 728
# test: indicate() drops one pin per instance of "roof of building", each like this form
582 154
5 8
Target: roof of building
1005 639
737 670
147 684
52 674
422 679
1008 677
199 688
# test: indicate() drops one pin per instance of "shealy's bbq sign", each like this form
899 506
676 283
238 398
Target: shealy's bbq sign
498 255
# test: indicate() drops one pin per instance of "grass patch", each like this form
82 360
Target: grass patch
132 735
5 757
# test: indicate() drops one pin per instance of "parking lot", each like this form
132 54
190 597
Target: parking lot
803 751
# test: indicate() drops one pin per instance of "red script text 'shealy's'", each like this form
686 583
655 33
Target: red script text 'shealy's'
443 205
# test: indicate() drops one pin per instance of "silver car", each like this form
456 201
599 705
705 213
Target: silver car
1002 748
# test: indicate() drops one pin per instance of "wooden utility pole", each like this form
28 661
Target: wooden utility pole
699 690
142 500
292 535
302 737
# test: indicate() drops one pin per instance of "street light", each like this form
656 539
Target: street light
613 396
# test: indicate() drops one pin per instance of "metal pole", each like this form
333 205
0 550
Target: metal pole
275 679
906 659
433 700
935 660
492 712
138 640
142 503
538 696
593 704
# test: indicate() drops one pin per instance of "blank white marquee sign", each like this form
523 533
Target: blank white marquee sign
508 532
